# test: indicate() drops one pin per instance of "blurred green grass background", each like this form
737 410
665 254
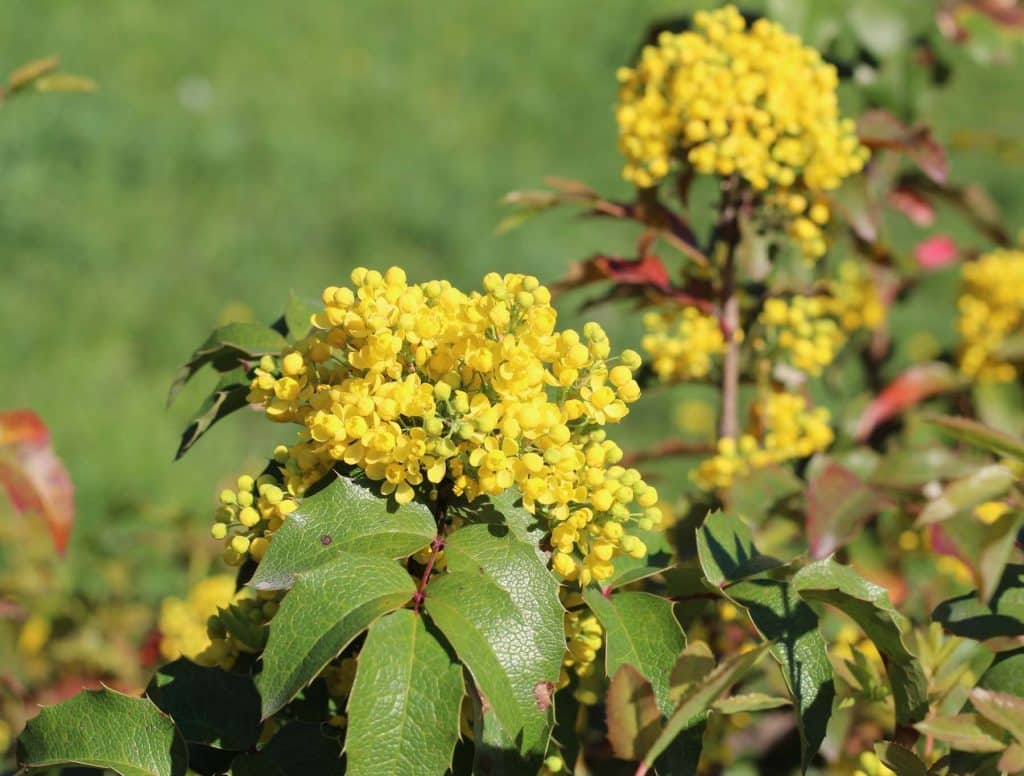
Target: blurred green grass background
236 153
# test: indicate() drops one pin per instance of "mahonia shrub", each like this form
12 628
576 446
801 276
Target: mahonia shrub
448 565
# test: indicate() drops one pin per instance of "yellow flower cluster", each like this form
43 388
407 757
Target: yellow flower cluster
855 301
991 311
804 218
584 637
682 343
419 384
735 100
182 622
248 517
800 331
784 428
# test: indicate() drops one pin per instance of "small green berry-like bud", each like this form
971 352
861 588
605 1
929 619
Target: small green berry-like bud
218 530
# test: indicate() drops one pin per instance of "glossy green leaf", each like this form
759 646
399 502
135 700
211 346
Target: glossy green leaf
1001 709
986 484
499 608
641 630
404 708
1006 674
104 729
226 347
900 759
780 616
965 732
327 608
725 546
982 436
298 315
868 605
747 702
695 702
345 515
210 706
231 394
632 715
1001 618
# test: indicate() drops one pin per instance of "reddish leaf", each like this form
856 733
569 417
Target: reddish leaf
634 721
838 504
914 206
909 389
880 130
33 476
646 275
936 252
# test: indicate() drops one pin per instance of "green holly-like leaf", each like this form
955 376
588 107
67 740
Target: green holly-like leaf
900 759
498 606
641 630
694 704
230 395
634 721
725 546
748 702
344 515
105 729
1001 618
779 615
1001 709
404 708
982 436
209 706
226 347
782 617
298 315
297 749
986 484
506 512
963 732
868 605
327 608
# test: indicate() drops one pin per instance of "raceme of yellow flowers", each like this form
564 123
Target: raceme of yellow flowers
249 516
854 299
783 428
729 99
419 384
682 343
800 331
991 313
182 622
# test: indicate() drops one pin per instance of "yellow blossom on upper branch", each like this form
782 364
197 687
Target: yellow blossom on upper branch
423 384
801 331
728 99
991 311
783 427
855 302
682 343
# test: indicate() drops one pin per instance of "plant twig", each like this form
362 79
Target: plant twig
440 515
727 232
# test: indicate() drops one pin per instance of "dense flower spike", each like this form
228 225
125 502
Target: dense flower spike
752 101
584 637
784 427
418 384
855 301
682 343
991 311
182 622
801 332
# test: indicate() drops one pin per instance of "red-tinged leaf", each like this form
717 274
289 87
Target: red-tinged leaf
909 389
634 721
632 277
838 504
33 476
936 252
915 207
881 130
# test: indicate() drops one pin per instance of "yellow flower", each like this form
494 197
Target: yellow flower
182 622
682 344
990 511
991 311
855 300
419 384
731 99
801 332
783 428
